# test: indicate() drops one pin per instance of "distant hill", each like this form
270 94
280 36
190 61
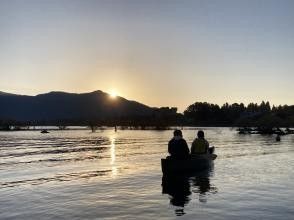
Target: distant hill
56 106
6 94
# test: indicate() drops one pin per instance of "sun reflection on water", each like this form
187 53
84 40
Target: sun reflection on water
113 156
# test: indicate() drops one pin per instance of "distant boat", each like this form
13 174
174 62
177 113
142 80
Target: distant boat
264 130
289 131
44 131
196 163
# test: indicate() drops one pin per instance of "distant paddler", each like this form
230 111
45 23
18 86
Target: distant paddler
44 131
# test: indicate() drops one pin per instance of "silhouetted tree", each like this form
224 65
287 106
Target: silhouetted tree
203 113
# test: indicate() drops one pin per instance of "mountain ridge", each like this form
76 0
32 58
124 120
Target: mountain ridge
59 105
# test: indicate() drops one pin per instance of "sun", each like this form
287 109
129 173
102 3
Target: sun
113 94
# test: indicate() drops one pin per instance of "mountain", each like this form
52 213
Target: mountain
6 94
55 106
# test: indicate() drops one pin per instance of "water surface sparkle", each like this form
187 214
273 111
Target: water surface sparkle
117 175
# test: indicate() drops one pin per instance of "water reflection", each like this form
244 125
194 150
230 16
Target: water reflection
113 156
201 185
179 188
112 150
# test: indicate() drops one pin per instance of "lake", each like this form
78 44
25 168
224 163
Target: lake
77 174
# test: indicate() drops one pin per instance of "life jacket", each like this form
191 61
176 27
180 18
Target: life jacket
199 146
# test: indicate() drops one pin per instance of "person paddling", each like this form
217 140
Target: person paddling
178 147
200 145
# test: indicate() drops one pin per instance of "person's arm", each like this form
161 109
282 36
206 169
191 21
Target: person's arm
193 147
186 147
207 146
170 147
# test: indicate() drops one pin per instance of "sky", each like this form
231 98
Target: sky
160 53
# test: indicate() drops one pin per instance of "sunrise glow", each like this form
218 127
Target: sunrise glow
113 94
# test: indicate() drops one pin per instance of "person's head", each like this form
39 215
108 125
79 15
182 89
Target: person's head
178 133
200 134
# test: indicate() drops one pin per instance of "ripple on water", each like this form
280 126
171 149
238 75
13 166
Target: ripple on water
117 175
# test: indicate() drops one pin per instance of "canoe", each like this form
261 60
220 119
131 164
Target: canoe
196 163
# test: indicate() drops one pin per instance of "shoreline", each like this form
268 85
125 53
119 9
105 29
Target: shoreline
118 128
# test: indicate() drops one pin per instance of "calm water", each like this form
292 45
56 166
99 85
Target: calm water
117 175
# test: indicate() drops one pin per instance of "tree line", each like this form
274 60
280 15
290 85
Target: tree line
197 114
161 119
237 114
